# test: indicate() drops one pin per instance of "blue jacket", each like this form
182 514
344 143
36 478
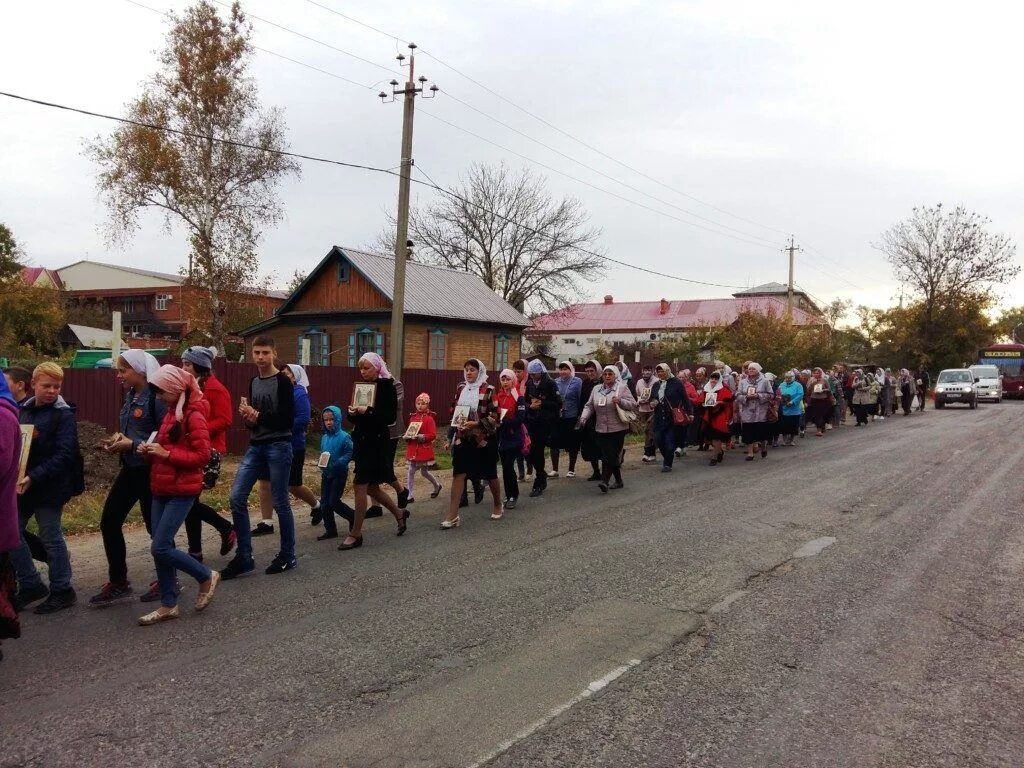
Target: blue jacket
51 458
338 443
140 417
300 421
570 392
795 391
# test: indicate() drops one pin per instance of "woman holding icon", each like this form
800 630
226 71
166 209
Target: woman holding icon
717 415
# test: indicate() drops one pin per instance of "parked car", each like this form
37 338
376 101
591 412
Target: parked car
956 385
988 382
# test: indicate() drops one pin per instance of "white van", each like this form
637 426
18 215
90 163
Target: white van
987 382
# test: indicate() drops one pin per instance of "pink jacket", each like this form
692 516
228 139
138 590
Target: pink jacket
10 450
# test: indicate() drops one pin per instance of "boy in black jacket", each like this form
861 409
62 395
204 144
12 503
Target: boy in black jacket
268 412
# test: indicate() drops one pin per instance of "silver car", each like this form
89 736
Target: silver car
955 385
988 382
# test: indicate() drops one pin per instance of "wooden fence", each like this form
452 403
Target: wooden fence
98 395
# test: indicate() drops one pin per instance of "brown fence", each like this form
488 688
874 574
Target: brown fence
98 395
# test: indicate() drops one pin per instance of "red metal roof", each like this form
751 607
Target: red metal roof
31 274
648 315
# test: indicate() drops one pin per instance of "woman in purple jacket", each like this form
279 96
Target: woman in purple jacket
10 453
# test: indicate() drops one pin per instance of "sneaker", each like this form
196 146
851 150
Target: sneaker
26 597
829 426
280 564
237 567
666 469
57 601
510 504
880 418
316 516
679 452
111 593
263 528
647 459
553 473
228 541
570 473
153 593
536 492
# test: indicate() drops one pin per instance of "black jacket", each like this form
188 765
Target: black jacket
51 459
675 396
550 403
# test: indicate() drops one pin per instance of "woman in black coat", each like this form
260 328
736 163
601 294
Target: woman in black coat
588 443
371 440
542 408
667 393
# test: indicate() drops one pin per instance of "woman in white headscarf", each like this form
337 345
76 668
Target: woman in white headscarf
883 393
140 417
606 400
565 436
755 394
473 439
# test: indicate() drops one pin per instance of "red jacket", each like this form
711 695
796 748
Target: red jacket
417 451
181 473
718 418
222 413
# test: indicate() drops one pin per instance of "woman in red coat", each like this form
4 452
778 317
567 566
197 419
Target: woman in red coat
199 362
177 459
717 415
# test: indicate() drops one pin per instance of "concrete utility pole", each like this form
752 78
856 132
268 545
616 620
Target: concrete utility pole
403 246
789 293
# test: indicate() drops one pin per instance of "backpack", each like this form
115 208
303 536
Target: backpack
77 462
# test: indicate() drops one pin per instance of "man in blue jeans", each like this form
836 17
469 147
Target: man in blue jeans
268 413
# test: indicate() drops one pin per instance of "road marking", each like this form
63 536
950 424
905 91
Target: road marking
814 547
532 728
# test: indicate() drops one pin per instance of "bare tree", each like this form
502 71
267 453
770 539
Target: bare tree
215 170
508 229
944 257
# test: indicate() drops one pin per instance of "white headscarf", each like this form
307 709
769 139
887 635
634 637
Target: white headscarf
300 375
141 362
880 376
615 384
713 385
470 394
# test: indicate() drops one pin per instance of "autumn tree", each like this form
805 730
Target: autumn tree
1010 325
507 228
771 339
946 258
30 318
204 154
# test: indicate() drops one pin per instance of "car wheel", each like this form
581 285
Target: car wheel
973 404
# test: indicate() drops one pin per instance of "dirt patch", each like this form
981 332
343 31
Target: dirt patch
100 467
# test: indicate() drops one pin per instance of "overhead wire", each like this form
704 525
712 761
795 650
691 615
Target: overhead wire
344 164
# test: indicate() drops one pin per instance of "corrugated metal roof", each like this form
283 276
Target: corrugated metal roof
647 315
144 272
429 291
97 338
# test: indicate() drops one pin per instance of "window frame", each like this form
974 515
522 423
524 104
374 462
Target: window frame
502 340
440 336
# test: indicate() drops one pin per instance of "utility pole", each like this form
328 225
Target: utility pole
789 293
403 246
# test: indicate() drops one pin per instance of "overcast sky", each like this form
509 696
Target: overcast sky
830 121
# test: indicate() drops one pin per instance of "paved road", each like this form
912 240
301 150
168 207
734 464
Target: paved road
851 602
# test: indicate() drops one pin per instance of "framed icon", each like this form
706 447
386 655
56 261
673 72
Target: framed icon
364 394
26 446
413 430
710 400
460 416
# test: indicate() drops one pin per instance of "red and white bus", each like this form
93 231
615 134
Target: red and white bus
1009 359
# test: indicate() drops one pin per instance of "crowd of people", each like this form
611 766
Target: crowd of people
174 421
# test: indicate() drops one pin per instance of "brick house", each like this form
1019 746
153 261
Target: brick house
344 308
157 309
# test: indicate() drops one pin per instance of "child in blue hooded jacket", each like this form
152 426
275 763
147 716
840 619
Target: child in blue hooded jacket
337 445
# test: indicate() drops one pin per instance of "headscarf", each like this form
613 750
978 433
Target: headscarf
755 366
378 364
572 370
790 375
201 356
300 375
880 376
713 384
594 364
141 362
665 367
536 366
176 381
510 374
470 393
618 378
624 373
425 396
337 419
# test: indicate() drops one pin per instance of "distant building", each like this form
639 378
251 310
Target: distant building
576 332
40 277
344 309
83 337
154 306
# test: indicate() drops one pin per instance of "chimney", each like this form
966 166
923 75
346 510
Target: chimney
664 308
608 299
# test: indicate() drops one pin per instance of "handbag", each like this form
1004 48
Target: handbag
772 415
680 417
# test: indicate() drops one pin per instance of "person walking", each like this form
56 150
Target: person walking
718 407
792 394
335 455
669 397
645 412
565 436
511 433
10 462
908 390
371 438
697 436
861 396
523 462
473 442
542 408
683 432
199 362
606 401
753 398
141 415
588 443
53 477
177 458
923 383
819 401
269 413
419 450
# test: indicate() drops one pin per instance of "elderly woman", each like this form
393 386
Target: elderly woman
606 400
883 393
542 408
908 390
819 401
667 394
753 398
792 393
861 396
686 434
718 405
565 437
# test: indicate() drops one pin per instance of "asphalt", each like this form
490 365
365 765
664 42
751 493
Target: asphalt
852 601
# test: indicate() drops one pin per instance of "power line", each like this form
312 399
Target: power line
550 125
343 164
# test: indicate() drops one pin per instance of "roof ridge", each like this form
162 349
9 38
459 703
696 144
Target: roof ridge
410 261
135 270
